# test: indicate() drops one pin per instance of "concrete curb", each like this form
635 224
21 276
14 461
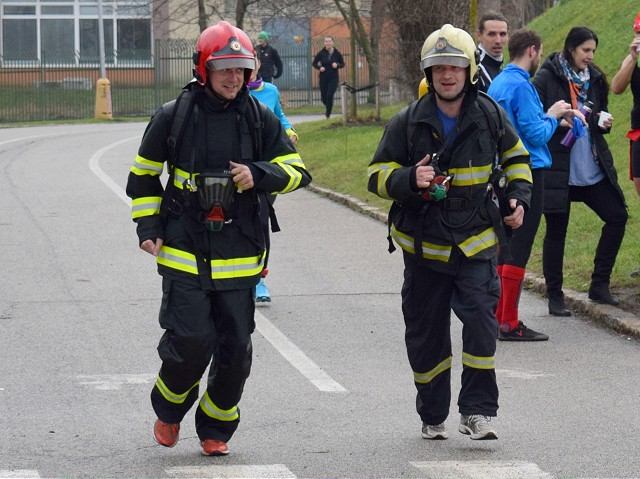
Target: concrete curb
613 318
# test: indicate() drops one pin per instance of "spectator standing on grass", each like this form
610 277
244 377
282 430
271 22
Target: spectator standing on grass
583 171
513 90
328 61
492 35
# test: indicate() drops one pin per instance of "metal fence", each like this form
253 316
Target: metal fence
49 91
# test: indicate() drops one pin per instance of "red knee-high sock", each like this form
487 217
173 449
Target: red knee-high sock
511 282
499 305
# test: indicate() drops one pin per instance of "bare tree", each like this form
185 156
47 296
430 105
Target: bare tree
415 20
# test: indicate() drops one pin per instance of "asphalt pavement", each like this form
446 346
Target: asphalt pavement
331 392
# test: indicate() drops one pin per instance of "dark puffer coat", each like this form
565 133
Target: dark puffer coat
552 86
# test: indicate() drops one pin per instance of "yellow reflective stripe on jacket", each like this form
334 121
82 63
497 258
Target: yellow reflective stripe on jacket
213 411
478 362
145 206
220 268
476 243
437 252
425 378
518 171
169 395
383 170
177 259
142 166
287 163
179 177
477 175
517 150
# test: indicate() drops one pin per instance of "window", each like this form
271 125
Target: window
66 31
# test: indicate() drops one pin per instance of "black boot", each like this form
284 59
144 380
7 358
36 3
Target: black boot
557 306
600 294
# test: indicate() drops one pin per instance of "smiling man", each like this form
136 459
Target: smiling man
436 162
207 228
492 35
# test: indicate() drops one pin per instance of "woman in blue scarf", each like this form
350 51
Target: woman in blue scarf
583 171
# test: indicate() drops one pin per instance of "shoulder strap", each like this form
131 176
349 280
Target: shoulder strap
258 125
181 112
496 127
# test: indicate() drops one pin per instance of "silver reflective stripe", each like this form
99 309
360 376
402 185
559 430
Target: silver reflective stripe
478 362
213 411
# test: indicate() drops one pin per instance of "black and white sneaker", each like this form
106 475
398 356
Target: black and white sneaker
437 431
477 426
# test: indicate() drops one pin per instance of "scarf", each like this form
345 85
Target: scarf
578 82
254 85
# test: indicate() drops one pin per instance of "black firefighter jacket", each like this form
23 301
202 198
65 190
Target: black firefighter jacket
214 134
462 220
552 86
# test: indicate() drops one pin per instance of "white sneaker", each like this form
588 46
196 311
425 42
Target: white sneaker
477 426
430 431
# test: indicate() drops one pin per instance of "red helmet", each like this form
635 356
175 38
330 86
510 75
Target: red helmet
223 46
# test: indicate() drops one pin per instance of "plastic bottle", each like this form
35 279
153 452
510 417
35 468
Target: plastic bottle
570 137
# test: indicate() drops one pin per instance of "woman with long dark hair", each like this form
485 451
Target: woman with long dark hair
582 171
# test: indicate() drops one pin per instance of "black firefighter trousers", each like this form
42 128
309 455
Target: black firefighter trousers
472 290
202 328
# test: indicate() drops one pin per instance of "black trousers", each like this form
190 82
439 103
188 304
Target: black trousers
522 238
328 87
605 201
201 329
427 300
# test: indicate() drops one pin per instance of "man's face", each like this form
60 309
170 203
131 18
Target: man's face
328 43
494 37
536 56
227 83
448 81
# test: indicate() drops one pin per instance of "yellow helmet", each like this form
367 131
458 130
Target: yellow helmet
450 46
423 88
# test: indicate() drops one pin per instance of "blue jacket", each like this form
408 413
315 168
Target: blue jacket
269 94
513 90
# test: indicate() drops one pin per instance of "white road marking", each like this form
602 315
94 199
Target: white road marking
94 166
481 470
110 382
272 471
289 351
21 473
295 356
24 138
521 374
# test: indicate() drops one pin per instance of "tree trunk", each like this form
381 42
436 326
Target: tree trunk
202 16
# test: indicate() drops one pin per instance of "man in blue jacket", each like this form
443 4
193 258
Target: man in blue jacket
513 90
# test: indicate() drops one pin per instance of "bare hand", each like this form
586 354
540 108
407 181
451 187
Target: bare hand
515 219
334 65
322 70
607 123
633 48
560 109
152 247
424 173
242 176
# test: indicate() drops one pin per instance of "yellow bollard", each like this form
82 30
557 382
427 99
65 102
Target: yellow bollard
103 99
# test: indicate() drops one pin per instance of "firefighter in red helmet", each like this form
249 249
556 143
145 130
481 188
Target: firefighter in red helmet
207 226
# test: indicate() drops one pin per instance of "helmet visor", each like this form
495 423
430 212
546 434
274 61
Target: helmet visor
226 63
444 59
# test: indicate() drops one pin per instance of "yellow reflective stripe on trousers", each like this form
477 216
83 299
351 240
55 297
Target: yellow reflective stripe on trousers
145 206
517 150
142 166
220 268
169 395
478 362
425 378
436 252
213 411
476 243
383 170
477 175
519 171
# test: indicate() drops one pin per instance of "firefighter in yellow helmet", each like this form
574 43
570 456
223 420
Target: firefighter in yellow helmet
443 161
206 226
